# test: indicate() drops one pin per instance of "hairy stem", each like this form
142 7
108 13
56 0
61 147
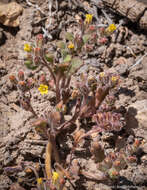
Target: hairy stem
58 95
48 155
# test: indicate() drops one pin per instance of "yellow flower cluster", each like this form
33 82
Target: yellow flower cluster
55 177
102 74
71 46
114 78
27 47
43 89
111 28
39 181
88 18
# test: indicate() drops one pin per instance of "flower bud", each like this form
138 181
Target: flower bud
36 60
42 79
103 40
132 159
92 28
21 75
37 51
108 162
117 165
113 173
39 40
22 85
40 36
78 41
30 83
13 79
137 143
88 48
102 30
62 181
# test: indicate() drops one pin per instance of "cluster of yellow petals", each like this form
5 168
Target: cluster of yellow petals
55 177
114 78
27 47
88 18
39 181
43 89
111 28
102 74
71 46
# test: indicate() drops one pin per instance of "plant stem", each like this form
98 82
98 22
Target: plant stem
48 155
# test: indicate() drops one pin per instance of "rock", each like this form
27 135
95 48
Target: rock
102 187
144 147
16 186
144 160
9 14
137 118
31 151
4 182
139 72
137 175
143 20
134 10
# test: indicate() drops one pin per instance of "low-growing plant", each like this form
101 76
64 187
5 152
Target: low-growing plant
91 98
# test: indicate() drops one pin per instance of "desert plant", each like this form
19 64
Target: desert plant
91 97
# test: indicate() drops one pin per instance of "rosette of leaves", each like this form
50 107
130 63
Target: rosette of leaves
108 104
108 121
112 164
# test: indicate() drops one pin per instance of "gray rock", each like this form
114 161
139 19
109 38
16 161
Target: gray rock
144 148
137 175
137 118
102 187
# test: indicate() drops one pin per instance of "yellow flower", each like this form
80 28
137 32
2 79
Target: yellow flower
71 46
43 89
55 177
111 28
39 181
27 47
114 78
102 74
88 18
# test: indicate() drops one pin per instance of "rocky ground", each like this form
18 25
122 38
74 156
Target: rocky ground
18 141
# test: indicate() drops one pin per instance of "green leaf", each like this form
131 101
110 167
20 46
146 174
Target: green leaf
69 36
67 58
64 53
86 37
49 57
60 44
29 65
75 64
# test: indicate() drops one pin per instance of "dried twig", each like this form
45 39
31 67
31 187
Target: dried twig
35 6
138 62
